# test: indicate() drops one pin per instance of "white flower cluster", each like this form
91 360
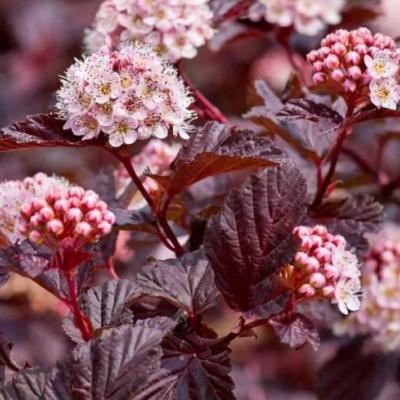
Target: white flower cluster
308 16
174 27
130 95
13 194
383 69
379 315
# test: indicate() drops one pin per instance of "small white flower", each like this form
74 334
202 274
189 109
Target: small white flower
83 125
346 262
385 93
382 65
347 295
123 130
279 12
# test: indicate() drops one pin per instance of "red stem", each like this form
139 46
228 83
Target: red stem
111 269
334 159
162 220
209 109
80 320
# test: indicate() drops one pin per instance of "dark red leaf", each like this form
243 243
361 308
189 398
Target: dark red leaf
251 238
351 217
187 282
295 330
192 370
41 130
215 149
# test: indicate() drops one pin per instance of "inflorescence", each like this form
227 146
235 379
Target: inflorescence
175 28
129 95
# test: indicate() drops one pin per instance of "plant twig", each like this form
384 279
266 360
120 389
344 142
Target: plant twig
80 320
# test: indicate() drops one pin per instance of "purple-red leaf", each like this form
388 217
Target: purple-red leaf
295 330
351 217
41 130
192 370
187 282
215 149
251 238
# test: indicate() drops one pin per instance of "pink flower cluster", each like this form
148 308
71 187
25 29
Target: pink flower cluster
308 16
174 27
324 268
129 95
66 216
155 158
379 315
358 63
15 193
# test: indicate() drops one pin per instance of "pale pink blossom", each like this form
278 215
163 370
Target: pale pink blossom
307 16
176 28
382 65
129 95
385 93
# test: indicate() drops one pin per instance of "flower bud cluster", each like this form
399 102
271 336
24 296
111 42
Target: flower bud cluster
129 94
307 16
379 315
324 268
359 63
15 193
66 215
155 158
174 27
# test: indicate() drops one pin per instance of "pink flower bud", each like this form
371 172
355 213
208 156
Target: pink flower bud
89 202
330 246
312 264
307 290
76 191
339 240
349 86
109 217
353 58
323 255
387 256
74 214
26 210
316 241
61 205
355 72
328 291
325 51
312 56
306 244
94 216
75 202
102 206
337 75
319 230
331 61
47 213
301 258
317 280
301 231
35 237
361 49
104 228
318 66
83 229
331 272
319 77
339 49
37 204
35 220
55 226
